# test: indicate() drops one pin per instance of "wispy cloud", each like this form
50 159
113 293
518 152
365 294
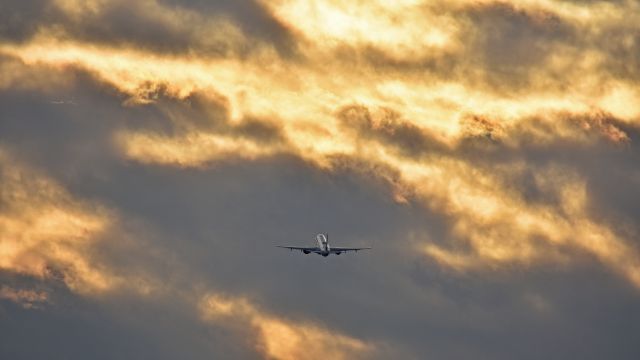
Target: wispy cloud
282 339
46 232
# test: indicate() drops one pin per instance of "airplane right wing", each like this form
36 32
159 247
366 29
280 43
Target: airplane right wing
345 249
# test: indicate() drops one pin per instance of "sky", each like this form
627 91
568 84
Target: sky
153 153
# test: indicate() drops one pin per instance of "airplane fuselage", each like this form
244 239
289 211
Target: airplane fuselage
323 245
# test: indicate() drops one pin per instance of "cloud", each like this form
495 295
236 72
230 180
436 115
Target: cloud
156 26
280 339
28 299
446 182
152 154
46 232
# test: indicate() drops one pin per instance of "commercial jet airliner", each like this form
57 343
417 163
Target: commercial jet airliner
323 247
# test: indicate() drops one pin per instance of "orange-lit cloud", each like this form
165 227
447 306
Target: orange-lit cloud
191 150
499 227
401 29
283 339
28 299
46 233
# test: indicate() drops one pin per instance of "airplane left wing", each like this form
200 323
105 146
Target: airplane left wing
305 250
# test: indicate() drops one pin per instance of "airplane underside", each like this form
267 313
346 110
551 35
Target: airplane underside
323 247
323 253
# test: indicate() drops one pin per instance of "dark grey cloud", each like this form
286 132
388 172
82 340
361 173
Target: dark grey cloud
388 127
206 113
250 15
506 48
514 43
152 26
70 326
21 19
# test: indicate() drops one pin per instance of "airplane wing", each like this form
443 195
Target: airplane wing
305 250
345 249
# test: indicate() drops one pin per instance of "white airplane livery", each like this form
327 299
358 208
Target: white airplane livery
323 247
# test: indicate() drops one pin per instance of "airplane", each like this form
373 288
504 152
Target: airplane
323 247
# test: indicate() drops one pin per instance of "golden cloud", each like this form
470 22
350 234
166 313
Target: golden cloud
194 149
401 29
278 338
45 232
28 299
500 227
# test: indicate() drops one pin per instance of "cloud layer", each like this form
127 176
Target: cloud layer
152 153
